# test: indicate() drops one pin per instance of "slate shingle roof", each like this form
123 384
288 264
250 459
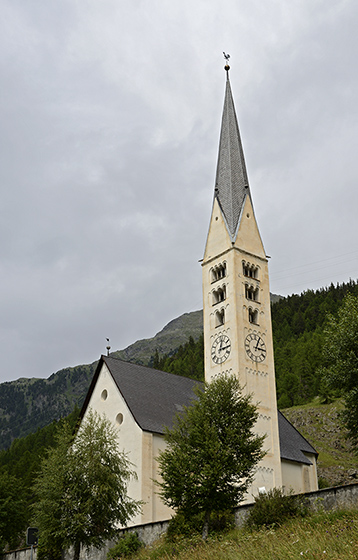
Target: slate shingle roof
292 444
154 397
232 185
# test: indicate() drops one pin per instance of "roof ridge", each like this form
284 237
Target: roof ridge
151 368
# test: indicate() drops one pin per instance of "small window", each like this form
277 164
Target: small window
253 316
219 318
119 418
104 395
219 295
250 270
218 272
251 292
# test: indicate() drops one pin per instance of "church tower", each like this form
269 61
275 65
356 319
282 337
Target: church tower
237 314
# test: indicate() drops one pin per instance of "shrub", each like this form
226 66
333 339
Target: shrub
182 526
125 547
323 483
274 507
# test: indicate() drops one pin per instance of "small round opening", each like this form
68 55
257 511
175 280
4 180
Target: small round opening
104 394
248 215
119 418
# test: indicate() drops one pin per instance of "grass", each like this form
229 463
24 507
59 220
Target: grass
322 536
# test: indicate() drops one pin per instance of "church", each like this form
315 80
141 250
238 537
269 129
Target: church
141 401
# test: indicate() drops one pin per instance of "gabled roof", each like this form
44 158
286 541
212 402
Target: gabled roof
154 397
232 185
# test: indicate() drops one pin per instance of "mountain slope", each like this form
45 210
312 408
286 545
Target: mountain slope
166 341
320 424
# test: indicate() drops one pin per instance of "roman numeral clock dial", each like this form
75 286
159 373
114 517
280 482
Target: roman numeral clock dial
255 347
220 349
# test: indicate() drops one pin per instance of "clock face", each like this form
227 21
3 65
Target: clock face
255 347
220 349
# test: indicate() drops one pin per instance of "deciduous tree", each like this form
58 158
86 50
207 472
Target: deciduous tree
211 451
82 489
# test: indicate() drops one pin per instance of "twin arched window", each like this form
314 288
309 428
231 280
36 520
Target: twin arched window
250 270
218 272
219 295
252 292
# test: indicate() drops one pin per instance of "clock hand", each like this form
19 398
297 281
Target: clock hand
257 345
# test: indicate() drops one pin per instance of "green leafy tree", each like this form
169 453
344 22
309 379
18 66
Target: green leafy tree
12 512
340 353
211 452
82 489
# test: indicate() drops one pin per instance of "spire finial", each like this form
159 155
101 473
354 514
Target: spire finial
227 67
108 346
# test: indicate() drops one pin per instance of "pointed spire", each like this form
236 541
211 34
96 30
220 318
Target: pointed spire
232 185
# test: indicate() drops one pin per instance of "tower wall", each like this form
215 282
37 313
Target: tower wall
236 297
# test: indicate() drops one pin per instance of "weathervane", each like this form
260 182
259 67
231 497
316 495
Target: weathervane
108 346
227 67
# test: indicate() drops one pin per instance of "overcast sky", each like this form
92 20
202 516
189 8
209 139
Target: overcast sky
110 119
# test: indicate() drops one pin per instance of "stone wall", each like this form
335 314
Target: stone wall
328 499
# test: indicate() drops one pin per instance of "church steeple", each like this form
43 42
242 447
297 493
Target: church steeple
236 294
232 185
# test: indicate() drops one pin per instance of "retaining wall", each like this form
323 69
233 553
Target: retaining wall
328 499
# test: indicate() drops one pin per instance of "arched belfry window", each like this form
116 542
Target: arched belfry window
219 318
218 272
219 295
251 292
250 270
253 316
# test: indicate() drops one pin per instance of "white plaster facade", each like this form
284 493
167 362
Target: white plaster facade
141 447
299 477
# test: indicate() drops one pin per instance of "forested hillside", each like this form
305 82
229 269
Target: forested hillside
298 323
19 466
29 404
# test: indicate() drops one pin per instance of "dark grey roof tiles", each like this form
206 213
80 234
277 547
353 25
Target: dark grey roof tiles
292 444
152 396
232 185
